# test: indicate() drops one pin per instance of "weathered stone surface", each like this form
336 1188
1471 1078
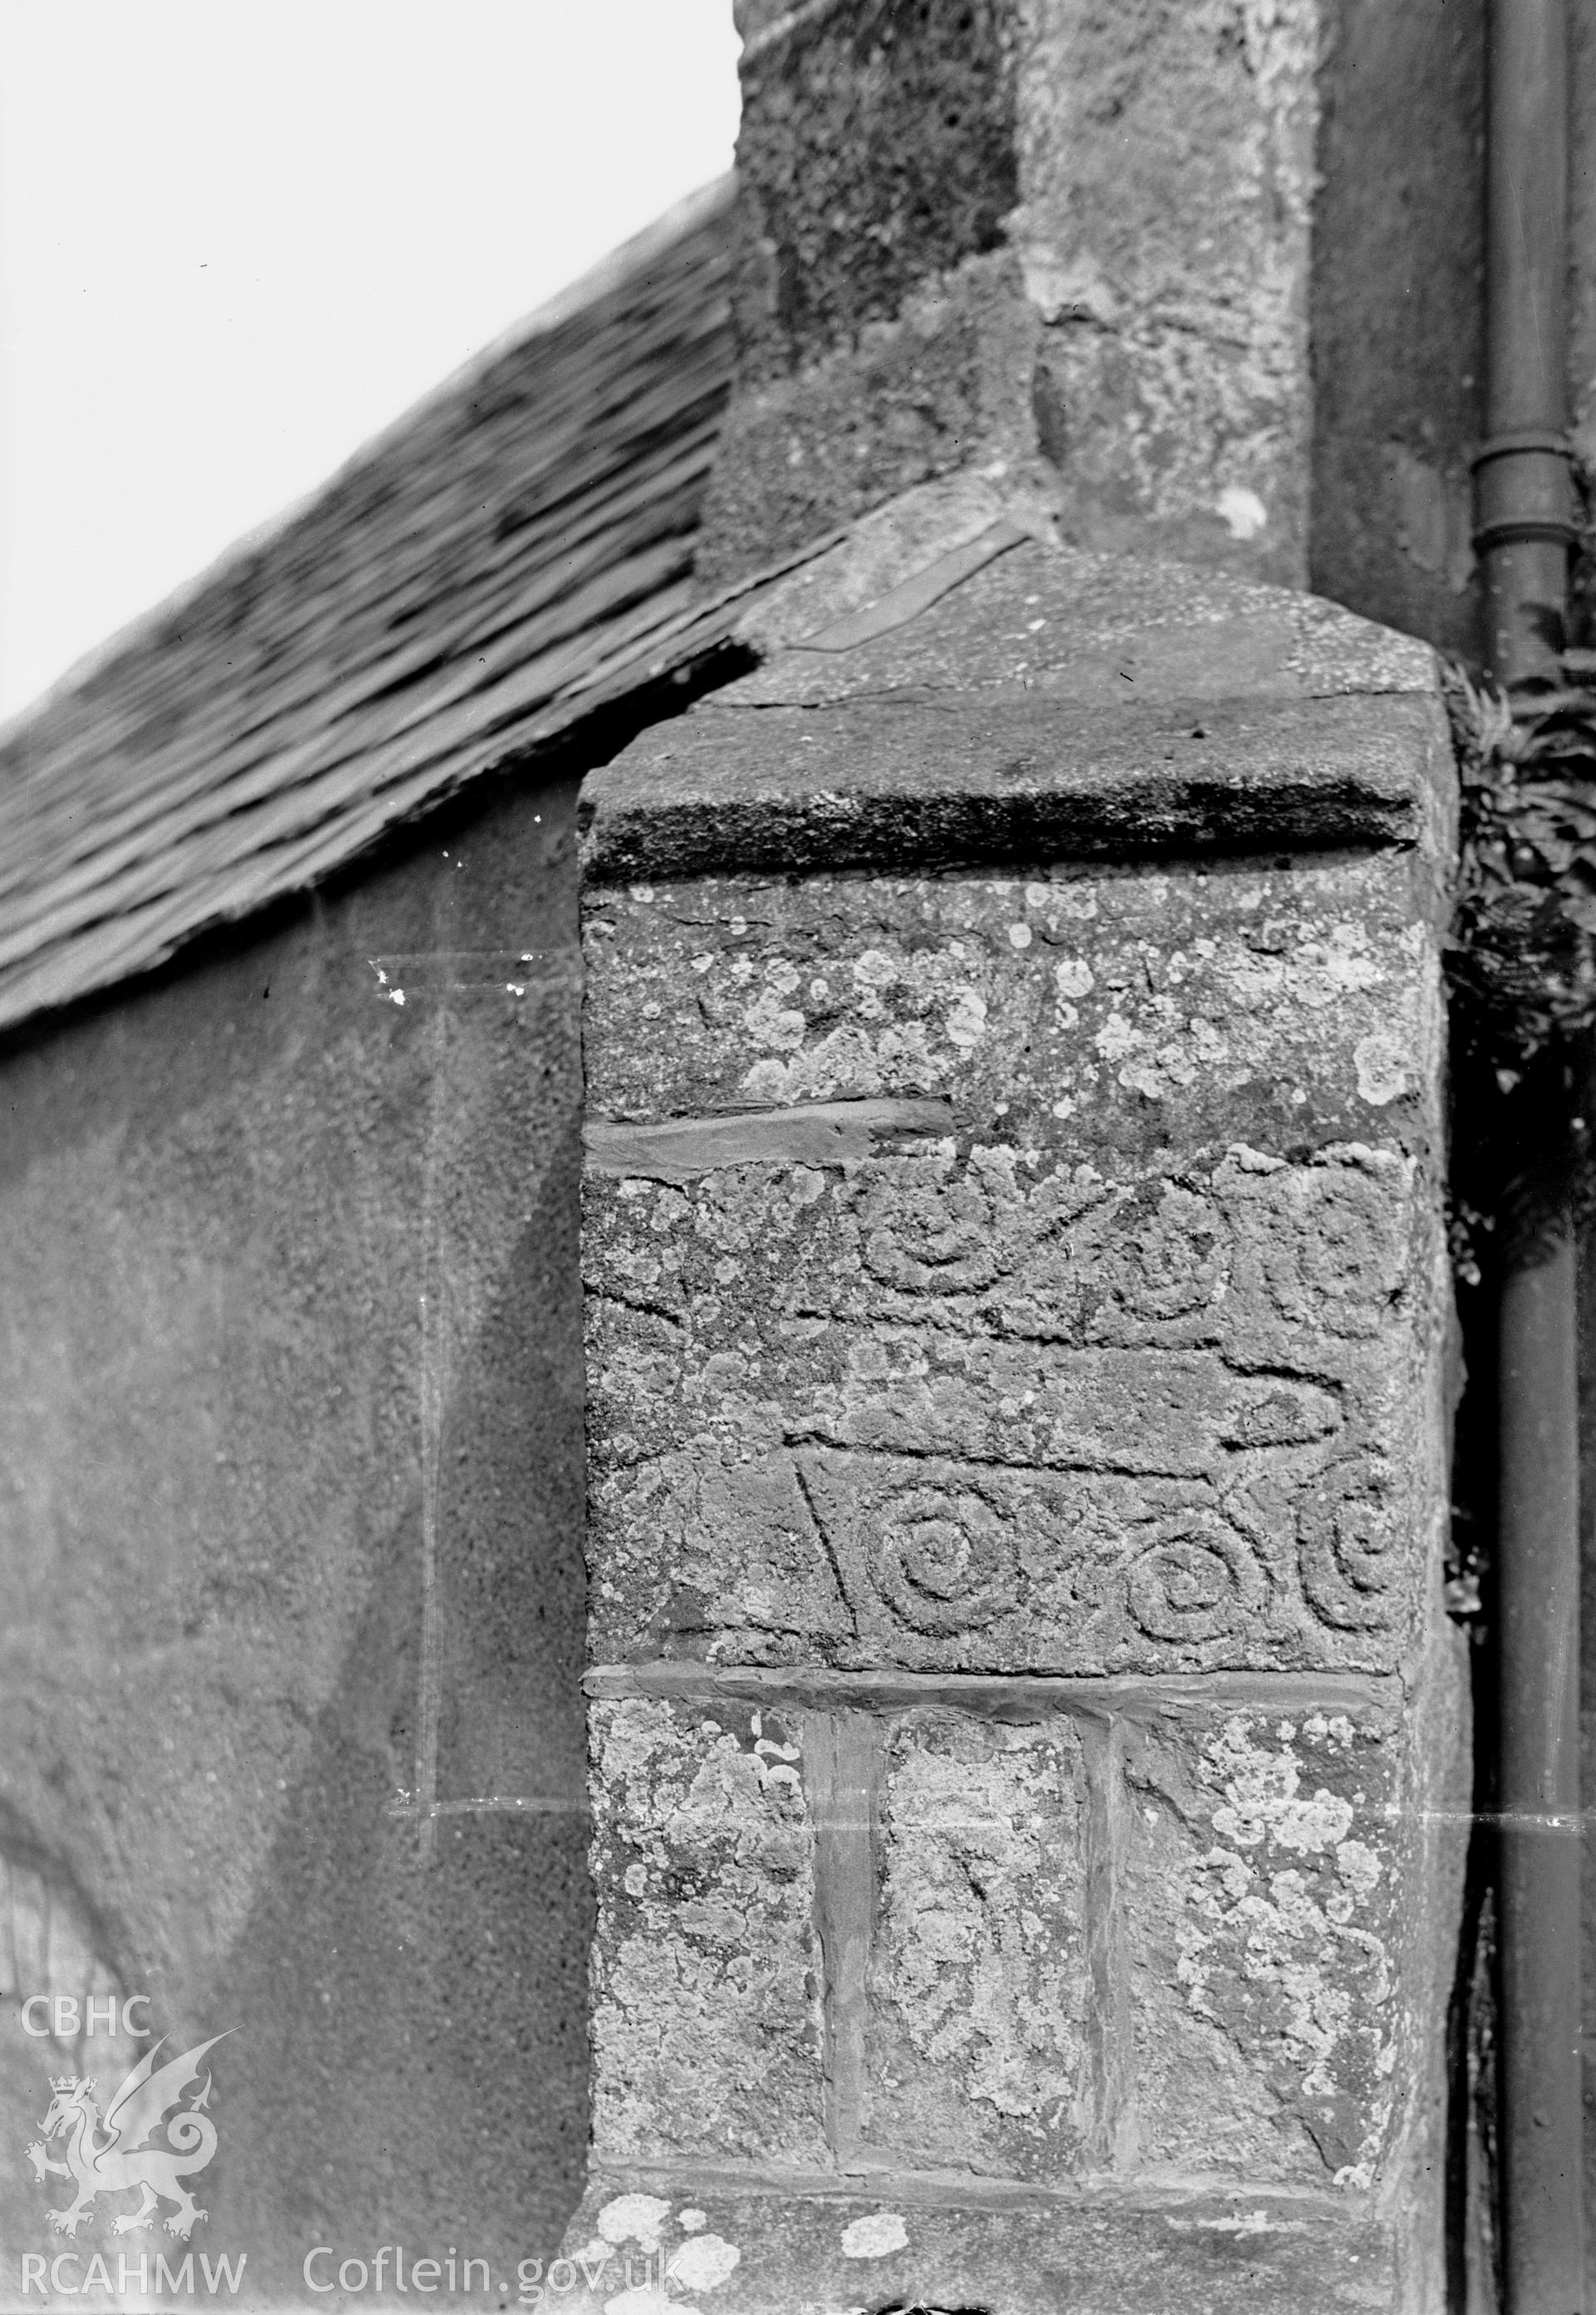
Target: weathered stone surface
827 2251
1263 1919
1014 1306
1244 715
1100 628
706 2027
997 1406
1245 1254
1166 186
1290 1006
959 1567
1247 248
888 412
978 2047
1107 629
1009 777
1144 178
876 149
951 1503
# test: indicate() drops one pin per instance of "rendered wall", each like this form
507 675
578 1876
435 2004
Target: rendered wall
282 1560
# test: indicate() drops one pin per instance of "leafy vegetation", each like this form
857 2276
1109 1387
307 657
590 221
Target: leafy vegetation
1523 945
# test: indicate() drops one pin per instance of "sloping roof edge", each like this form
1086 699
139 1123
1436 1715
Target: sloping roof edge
510 554
633 256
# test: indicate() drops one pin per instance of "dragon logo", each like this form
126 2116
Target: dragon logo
127 2159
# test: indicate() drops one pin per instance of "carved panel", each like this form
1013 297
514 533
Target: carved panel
870 1558
979 2053
706 2020
1260 1912
1077 1371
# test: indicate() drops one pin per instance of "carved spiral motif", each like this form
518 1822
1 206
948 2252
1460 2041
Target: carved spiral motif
939 1238
1325 1245
1347 1537
1164 1263
945 1561
1200 1579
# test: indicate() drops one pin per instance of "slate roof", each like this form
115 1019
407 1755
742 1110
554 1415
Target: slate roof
511 553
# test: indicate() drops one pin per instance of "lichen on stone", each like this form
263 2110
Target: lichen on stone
1276 1941
980 1973
705 1988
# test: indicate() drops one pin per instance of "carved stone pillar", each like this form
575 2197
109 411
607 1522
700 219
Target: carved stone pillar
1026 1740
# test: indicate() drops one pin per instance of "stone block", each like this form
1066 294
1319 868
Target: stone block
978 2050
1286 1007
1166 207
869 1561
1240 721
913 2244
1263 1905
1112 632
706 2023
1249 1255
798 458
876 150
964 1412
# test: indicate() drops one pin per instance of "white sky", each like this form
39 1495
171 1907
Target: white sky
238 236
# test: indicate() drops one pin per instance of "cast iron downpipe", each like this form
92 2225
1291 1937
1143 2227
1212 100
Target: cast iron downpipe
1524 536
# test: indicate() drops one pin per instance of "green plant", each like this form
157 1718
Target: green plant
1522 951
